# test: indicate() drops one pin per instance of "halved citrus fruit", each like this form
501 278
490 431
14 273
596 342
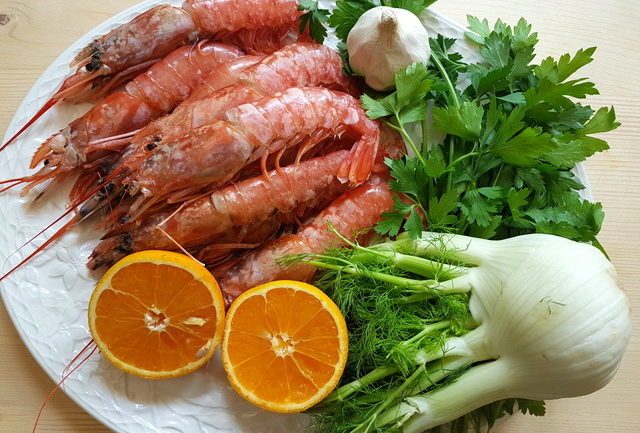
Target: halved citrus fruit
285 346
157 314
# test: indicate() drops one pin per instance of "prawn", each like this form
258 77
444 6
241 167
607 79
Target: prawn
354 211
145 98
242 204
300 64
224 74
132 47
210 156
296 65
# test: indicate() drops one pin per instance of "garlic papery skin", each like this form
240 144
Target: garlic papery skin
384 41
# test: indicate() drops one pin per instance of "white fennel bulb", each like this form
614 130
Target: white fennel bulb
384 41
553 323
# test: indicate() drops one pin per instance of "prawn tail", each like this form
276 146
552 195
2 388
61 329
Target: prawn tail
50 103
357 168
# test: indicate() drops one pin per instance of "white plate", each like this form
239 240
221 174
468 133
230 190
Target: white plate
47 299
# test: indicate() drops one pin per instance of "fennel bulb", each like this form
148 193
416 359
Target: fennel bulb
552 317
550 322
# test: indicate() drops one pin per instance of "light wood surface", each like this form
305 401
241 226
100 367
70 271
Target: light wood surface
34 32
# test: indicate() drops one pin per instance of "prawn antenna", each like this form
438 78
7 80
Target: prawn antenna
62 229
65 375
50 103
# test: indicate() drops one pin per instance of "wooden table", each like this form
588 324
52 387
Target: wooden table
34 32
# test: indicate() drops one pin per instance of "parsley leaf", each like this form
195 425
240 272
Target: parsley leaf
314 18
533 407
517 199
478 30
509 140
409 176
479 204
441 210
464 121
407 215
415 6
346 14
524 148
579 145
408 102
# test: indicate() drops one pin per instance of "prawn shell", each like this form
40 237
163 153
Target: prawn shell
223 76
228 16
212 155
245 80
128 45
182 70
350 214
243 204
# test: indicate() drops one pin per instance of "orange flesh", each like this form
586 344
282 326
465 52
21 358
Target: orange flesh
141 318
283 346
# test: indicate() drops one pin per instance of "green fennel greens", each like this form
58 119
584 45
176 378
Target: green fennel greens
401 314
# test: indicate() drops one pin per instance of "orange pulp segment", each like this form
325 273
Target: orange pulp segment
157 314
285 346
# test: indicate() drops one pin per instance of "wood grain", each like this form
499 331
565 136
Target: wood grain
34 32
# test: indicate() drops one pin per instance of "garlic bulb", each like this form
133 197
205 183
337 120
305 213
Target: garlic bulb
384 41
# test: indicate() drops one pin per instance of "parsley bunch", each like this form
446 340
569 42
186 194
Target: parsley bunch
511 138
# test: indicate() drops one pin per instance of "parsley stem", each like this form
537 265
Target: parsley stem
425 134
451 152
463 157
425 148
452 89
407 139
498 174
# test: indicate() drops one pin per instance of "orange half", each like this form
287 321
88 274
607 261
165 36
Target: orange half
157 314
285 346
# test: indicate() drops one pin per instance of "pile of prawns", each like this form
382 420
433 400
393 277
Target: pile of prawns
221 131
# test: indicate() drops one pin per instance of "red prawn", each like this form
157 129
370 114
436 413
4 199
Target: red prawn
251 132
147 97
131 48
300 64
239 205
351 213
